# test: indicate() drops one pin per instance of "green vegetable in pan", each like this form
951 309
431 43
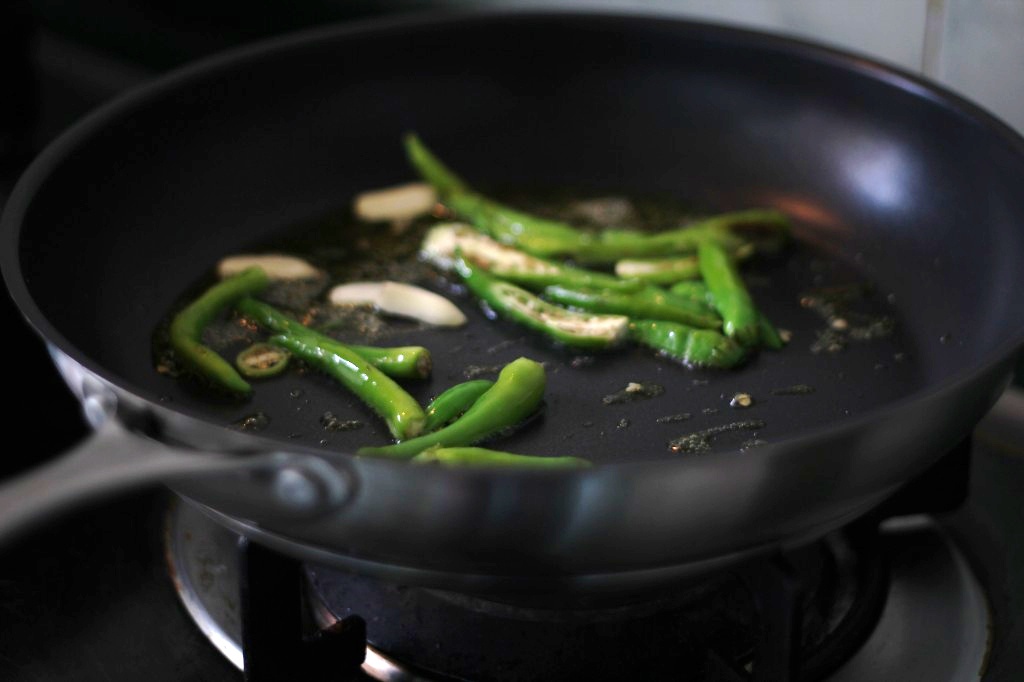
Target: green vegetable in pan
508 263
453 402
400 362
731 298
659 270
698 291
431 168
187 328
551 238
515 395
401 412
693 347
649 302
664 271
580 330
262 360
536 235
482 457
695 291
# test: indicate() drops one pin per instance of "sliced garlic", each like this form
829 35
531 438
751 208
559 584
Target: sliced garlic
356 293
276 265
401 203
400 299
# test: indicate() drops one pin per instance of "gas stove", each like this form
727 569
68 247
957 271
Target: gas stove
152 587
855 594
868 602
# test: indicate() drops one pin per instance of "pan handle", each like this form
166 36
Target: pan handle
275 485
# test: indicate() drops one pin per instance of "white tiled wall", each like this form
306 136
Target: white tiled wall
981 54
973 46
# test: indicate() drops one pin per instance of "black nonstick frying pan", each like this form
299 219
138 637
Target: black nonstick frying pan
903 183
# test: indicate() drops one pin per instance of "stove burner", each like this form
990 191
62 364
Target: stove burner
709 629
706 627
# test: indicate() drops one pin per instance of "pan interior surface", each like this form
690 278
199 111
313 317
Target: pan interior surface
586 410
912 190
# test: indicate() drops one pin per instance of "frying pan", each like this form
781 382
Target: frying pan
918 189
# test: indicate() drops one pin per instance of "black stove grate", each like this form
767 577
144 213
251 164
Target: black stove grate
792 616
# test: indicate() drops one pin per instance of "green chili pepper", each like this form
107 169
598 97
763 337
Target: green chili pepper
693 347
453 402
509 263
698 291
581 330
659 270
539 236
695 291
482 457
262 360
515 395
536 235
648 302
725 229
550 238
731 298
431 167
400 411
400 362
187 328
613 244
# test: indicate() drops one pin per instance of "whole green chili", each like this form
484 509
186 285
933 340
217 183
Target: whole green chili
186 329
515 395
400 411
453 402
731 298
399 362
698 291
693 347
551 238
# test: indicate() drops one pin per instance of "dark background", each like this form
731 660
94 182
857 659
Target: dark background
88 597
59 60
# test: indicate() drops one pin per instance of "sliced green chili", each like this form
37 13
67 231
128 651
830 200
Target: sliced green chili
400 411
726 229
516 395
511 264
580 330
453 402
698 291
400 362
551 238
693 347
732 300
186 329
650 302
659 270
539 236
262 360
482 457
